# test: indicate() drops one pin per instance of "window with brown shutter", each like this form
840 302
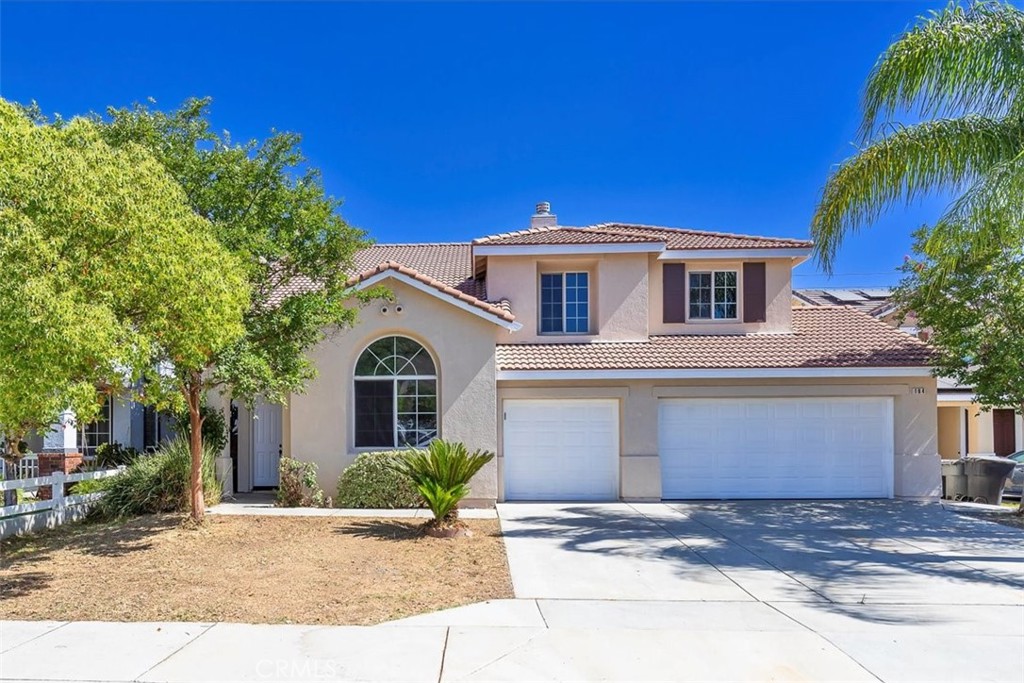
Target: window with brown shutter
754 299
673 292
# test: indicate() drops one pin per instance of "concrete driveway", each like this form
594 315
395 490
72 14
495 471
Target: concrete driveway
899 591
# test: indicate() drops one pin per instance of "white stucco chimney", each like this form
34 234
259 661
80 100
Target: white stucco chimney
543 218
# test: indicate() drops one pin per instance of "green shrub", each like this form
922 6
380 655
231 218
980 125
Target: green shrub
370 482
111 455
215 429
441 475
91 485
156 483
298 487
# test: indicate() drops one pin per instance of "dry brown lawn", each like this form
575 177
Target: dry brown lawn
311 570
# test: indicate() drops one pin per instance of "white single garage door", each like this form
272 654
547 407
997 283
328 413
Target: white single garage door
561 449
776 448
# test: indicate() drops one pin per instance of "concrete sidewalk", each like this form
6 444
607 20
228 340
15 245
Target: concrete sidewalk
543 640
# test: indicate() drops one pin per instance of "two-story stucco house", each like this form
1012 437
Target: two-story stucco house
614 361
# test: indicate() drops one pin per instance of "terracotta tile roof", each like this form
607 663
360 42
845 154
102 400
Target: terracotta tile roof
823 337
451 264
616 233
565 235
500 310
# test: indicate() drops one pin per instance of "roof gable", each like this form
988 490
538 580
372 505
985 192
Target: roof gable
499 313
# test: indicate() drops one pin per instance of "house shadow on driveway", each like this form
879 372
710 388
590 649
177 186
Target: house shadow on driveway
853 557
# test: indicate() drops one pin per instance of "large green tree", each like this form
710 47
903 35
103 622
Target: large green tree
58 341
269 209
961 71
975 313
109 275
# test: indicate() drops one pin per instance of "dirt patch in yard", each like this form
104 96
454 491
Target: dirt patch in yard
309 570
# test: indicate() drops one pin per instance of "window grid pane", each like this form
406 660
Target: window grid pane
725 294
551 302
577 302
97 432
700 295
395 410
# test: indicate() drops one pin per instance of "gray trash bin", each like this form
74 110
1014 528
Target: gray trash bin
954 481
985 477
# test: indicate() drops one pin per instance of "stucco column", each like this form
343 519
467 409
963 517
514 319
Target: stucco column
963 432
63 434
222 404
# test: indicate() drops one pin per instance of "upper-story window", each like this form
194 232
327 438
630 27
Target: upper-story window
713 295
395 395
565 302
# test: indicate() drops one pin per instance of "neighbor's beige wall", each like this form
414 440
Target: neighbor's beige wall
619 281
980 429
980 435
778 299
320 423
949 431
916 460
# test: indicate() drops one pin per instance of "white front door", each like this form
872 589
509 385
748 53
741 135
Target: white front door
266 444
561 449
776 448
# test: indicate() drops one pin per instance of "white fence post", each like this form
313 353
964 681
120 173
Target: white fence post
57 489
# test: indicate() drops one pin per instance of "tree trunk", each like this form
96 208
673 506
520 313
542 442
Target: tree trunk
12 453
196 500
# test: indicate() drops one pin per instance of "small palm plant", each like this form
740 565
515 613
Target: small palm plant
441 474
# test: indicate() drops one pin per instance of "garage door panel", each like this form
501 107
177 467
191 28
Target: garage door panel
775 448
561 450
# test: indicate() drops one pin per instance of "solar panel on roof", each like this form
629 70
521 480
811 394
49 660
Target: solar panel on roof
845 295
876 292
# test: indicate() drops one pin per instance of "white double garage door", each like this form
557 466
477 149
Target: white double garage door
708 448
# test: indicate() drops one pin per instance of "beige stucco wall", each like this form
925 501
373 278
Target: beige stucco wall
778 299
916 461
628 301
618 294
320 423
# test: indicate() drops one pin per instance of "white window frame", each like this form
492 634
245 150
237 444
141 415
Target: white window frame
394 397
712 273
90 429
540 301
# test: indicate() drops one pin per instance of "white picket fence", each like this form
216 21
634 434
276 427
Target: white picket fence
27 466
28 517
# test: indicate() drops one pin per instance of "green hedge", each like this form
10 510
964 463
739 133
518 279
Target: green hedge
370 483
154 483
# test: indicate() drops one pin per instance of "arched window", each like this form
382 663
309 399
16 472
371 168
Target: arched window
395 394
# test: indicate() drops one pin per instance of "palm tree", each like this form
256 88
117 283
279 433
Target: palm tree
961 72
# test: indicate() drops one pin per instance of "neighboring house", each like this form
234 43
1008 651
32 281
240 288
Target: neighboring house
875 301
613 361
964 427
120 420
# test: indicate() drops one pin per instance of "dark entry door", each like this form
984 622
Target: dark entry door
1003 436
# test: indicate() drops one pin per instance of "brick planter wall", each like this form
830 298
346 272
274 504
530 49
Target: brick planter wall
56 462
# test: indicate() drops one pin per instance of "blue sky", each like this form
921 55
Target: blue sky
447 122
